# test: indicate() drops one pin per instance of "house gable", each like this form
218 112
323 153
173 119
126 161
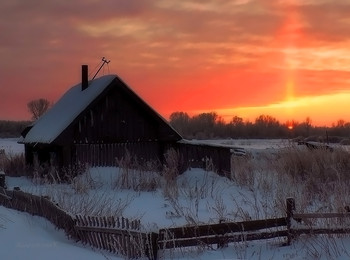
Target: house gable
48 127
118 115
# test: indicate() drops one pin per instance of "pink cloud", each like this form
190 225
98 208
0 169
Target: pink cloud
166 48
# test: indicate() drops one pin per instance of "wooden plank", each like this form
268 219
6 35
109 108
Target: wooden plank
321 215
112 242
101 241
123 245
103 222
80 233
112 221
110 231
86 234
123 222
96 222
128 246
209 240
90 235
93 234
223 228
106 241
106 236
118 242
320 231
103 235
118 222
95 240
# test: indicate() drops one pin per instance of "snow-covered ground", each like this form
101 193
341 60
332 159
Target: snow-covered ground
23 236
11 146
201 197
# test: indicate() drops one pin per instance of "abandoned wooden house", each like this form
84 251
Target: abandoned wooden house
97 121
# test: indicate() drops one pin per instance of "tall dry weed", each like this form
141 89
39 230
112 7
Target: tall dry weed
318 169
314 177
242 171
13 165
170 173
136 176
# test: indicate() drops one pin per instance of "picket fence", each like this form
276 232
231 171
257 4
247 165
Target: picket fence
117 235
39 206
126 238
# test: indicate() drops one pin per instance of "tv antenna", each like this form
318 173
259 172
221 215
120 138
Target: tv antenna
104 61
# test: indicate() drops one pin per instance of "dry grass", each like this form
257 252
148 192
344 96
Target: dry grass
170 173
312 176
13 165
136 176
242 171
317 179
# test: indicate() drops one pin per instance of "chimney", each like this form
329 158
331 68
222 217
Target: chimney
84 77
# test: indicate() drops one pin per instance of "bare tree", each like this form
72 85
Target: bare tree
38 107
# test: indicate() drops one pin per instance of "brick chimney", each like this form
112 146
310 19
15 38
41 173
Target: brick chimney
84 77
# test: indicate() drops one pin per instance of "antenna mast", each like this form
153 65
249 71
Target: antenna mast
104 61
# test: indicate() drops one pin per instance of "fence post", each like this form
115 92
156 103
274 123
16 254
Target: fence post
152 246
290 202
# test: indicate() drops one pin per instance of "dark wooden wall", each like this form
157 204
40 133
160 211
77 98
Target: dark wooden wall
109 154
46 154
115 118
201 155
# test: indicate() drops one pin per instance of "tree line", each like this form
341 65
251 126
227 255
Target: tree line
10 129
211 125
35 107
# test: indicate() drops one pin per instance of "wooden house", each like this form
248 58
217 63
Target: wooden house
97 121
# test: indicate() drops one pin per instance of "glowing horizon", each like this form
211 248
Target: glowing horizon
295 110
288 59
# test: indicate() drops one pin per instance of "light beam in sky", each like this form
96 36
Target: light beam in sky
286 58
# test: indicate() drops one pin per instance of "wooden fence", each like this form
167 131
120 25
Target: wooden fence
117 235
125 237
317 223
39 206
223 233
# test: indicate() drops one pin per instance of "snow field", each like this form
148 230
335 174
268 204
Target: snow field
257 190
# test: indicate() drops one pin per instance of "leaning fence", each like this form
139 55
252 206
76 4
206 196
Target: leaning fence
39 206
223 233
316 223
117 235
126 238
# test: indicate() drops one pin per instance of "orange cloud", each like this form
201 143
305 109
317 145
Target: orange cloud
190 56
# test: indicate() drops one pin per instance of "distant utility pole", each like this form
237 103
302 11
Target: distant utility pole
104 61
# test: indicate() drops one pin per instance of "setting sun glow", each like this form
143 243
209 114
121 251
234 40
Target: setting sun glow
287 59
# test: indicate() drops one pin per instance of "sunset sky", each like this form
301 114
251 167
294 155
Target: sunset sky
286 58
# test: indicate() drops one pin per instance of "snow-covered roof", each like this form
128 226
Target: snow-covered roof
73 102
